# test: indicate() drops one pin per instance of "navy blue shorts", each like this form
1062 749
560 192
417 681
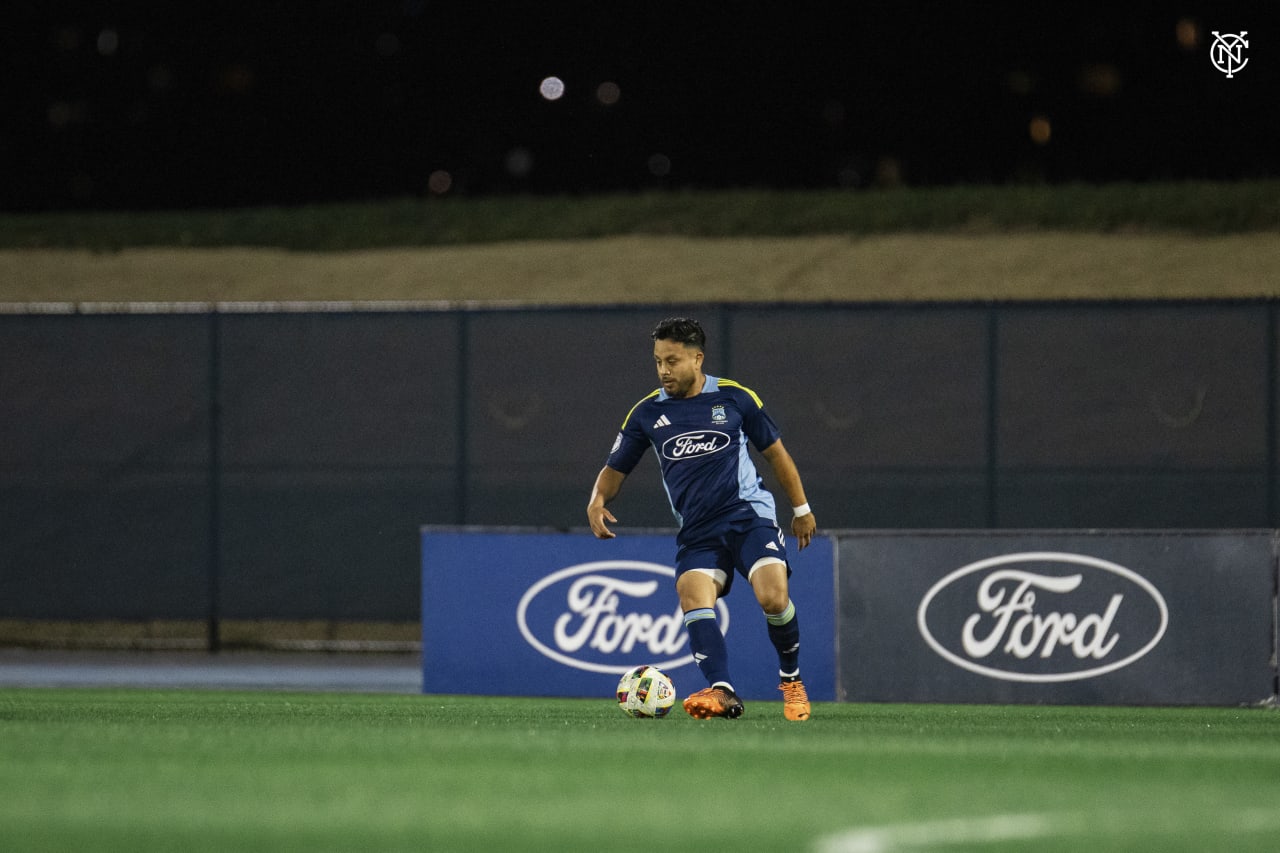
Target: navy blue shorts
736 548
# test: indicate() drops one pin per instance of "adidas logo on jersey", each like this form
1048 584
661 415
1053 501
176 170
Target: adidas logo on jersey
771 547
661 422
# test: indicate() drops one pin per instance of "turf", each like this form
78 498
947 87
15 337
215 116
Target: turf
171 770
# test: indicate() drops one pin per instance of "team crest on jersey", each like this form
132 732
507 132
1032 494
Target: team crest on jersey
718 415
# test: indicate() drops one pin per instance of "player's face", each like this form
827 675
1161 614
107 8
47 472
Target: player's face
679 368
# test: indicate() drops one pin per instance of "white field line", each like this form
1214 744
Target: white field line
935 834
938 833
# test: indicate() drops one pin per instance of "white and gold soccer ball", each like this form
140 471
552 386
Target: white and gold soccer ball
646 692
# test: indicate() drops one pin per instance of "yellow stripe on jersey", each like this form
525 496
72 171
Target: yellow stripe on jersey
644 399
730 383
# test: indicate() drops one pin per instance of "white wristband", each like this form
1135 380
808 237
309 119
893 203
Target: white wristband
803 509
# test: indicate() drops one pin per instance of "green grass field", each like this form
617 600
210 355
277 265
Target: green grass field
143 770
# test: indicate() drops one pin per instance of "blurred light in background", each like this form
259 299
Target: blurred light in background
108 42
235 79
1101 79
519 162
1040 130
608 93
63 114
364 100
159 78
67 40
439 182
1019 82
889 172
1187 33
551 88
848 176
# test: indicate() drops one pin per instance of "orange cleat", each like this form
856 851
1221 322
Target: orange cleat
795 701
713 702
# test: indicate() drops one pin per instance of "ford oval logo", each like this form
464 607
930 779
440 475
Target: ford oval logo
1042 616
607 616
690 444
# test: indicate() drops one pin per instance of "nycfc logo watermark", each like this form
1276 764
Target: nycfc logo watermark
1227 52
603 616
1043 616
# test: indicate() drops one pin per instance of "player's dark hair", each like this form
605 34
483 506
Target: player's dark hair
684 330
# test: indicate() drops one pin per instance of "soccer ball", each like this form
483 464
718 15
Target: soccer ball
646 691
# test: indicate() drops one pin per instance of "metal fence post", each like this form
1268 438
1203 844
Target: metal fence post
214 620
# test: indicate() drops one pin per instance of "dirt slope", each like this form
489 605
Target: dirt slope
673 269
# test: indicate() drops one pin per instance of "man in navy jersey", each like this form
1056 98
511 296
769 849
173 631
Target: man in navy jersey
700 427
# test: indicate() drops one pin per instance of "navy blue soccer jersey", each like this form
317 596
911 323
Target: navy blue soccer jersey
701 443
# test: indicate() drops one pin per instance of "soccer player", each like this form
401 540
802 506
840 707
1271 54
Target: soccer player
700 427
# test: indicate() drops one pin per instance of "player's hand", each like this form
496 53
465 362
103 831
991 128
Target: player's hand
803 528
597 515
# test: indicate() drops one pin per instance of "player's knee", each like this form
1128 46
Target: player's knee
772 595
769 580
697 589
772 600
692 601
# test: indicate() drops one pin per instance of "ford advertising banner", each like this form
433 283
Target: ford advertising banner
561 614
1162 617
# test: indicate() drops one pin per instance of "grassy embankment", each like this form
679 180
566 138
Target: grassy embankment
1186 240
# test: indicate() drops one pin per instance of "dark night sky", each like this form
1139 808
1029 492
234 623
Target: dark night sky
180 104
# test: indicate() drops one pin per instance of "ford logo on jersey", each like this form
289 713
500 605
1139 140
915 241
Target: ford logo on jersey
1043 616
690 444
606 615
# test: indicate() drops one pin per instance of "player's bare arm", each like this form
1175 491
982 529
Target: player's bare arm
803 525
608 484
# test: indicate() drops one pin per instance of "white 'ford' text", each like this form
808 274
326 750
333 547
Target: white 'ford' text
1009 597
